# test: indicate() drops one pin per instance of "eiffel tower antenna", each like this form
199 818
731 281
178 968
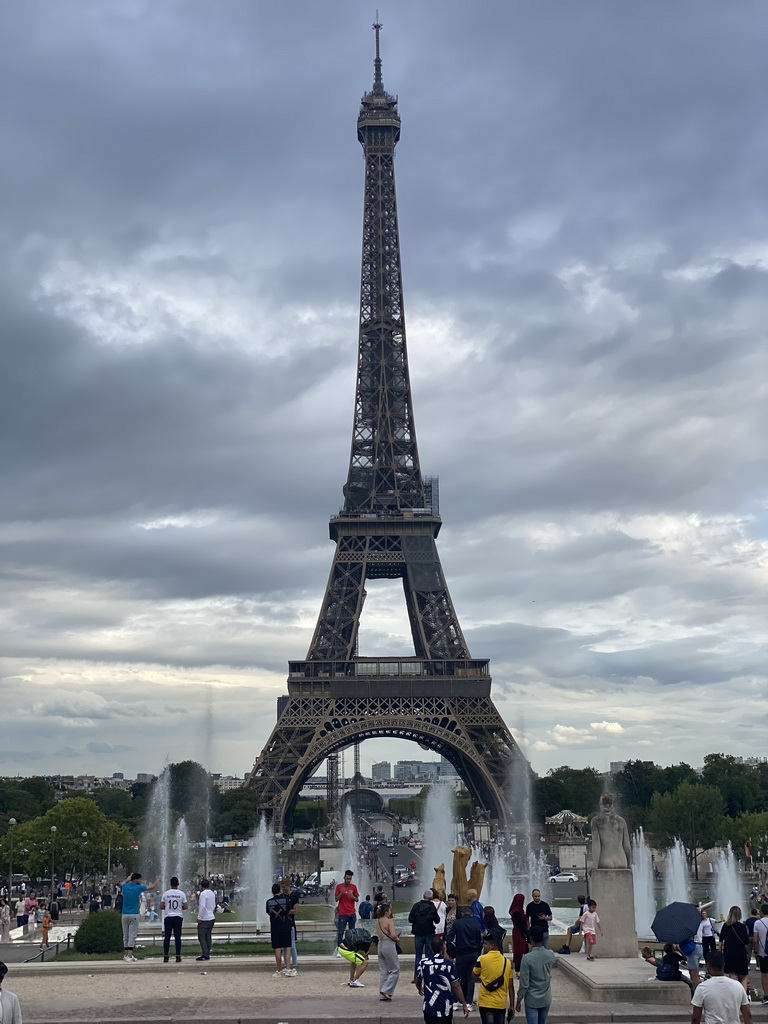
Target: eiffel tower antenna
387 529
377 83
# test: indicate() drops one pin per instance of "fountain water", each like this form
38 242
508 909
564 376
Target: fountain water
258 873
157 831
181 852
352 859
440 832
729 892
642 877
676 879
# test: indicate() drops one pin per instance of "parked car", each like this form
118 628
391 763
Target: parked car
565 876
407 880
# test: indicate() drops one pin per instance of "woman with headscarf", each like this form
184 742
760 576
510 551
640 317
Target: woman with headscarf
519 930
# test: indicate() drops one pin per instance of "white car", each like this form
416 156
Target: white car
565 876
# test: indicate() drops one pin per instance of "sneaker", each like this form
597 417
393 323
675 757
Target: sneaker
178 959
564 950
765 1001
166 959
356 984
291 972
130 959
202 958
337 953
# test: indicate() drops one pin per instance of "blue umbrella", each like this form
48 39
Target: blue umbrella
676 922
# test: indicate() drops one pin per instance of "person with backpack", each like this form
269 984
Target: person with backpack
422 919
354 948
497 988
669 968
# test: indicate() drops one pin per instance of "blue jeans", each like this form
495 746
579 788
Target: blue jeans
536 1014
294 954
345 921
545 939
420 943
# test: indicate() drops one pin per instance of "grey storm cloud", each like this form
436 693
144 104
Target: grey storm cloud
583 225
107 748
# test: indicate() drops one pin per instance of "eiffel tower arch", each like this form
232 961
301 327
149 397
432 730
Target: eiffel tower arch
387 529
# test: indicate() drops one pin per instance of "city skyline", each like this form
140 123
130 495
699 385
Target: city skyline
584 244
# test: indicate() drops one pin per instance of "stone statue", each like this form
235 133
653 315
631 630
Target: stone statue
610 837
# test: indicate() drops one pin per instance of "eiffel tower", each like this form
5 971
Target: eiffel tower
440 697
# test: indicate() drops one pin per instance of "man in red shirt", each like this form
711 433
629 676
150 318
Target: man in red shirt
346 896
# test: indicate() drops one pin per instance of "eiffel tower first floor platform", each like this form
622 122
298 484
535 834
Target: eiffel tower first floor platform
444 706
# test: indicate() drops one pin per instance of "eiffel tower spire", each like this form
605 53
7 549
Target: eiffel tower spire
384 473
387 528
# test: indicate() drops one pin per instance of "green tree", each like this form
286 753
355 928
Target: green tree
738 783
34 842
238 813
23 799
119 806
694 813
637 782
751 827
565 788
193 796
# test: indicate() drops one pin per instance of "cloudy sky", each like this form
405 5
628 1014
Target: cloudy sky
582 197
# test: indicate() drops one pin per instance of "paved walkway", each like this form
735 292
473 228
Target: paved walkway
242 989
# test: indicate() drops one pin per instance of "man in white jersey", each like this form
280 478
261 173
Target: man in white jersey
174 903
719 1000
760 942
206 914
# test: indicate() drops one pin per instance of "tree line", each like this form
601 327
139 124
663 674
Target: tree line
726 800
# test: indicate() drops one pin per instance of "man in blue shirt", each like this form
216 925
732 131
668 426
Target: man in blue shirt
132 890
437 982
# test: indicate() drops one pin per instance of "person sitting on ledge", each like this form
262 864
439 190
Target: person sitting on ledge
574 929
669 968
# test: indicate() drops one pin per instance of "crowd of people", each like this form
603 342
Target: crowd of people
459 947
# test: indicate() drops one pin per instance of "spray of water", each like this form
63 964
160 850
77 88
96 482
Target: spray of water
352 854
676 878
440 832
157 831
642 878
729 892
258 873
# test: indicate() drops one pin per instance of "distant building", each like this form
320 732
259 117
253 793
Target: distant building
282 704
415 771
445 770
225 782
381 771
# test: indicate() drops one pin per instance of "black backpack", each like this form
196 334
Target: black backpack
357 939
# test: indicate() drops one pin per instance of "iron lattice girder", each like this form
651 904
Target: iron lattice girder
376 548
384 468
468 731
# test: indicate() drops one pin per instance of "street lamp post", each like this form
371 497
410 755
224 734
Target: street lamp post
11 823
394 855
53 854
85 841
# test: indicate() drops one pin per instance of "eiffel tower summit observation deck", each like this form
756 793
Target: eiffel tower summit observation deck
441 696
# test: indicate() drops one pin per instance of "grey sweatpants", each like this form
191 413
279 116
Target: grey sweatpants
130 924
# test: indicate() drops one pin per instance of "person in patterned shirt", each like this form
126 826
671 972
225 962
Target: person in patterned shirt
438 984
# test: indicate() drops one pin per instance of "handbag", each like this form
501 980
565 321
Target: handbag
492 986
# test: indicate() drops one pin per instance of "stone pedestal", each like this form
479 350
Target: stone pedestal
614 893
